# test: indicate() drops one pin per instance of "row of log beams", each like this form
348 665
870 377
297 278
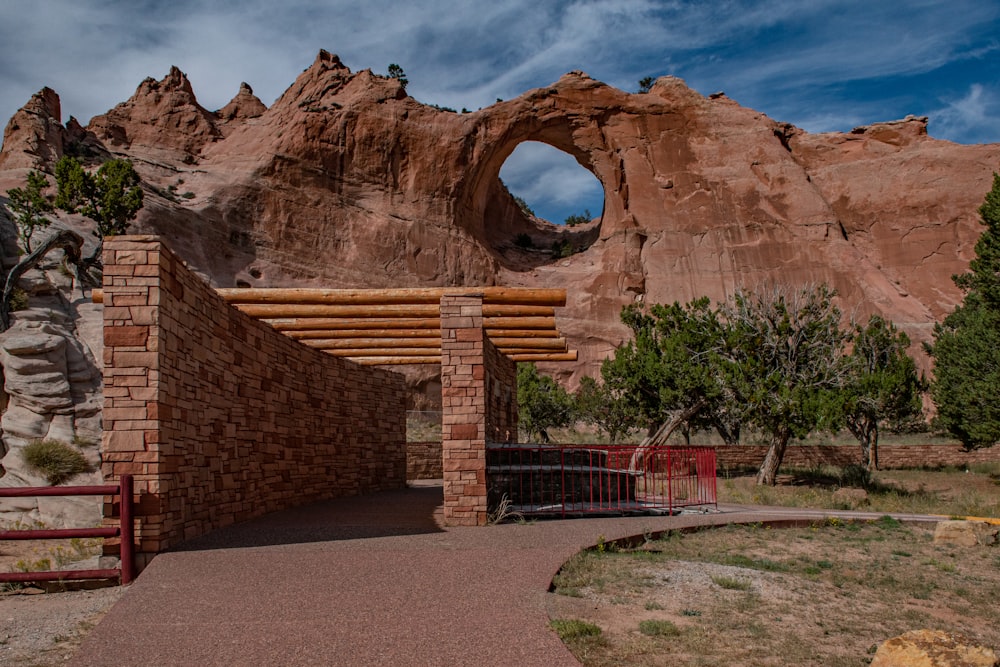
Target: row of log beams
521 296
434 323
398 361
270 311
402 326
503 344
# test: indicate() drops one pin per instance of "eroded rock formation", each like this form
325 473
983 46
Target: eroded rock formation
346 181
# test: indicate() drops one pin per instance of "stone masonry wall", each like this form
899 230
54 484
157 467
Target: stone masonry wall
219 417
463 407
501 394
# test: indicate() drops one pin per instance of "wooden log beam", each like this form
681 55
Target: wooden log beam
535 343
309 323
365 333
282 311
369 343
508 310
384 352
510 322
522 333
396 361
393 296
554 356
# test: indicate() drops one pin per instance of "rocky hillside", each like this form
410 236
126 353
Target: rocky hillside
347 181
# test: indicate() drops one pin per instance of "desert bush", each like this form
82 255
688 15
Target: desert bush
55 460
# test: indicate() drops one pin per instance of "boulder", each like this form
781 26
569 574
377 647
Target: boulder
933 648
966 533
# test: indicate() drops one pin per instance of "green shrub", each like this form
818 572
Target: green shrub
574 628
578 219
55 460
656 628
561 249
731 583
18 299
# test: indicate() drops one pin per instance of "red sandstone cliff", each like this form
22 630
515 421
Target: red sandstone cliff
346 181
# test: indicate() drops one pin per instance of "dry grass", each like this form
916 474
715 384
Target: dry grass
968 492
824 595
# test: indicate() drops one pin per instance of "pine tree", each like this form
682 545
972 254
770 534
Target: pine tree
966 347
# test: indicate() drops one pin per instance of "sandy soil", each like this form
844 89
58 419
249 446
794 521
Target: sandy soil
41 628
823 597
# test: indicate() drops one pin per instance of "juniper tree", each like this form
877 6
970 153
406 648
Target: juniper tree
30 208
111 197
966 347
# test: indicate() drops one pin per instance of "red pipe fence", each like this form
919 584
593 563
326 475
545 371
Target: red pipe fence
586 479
125 572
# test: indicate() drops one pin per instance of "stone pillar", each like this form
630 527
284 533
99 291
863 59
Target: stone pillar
463 405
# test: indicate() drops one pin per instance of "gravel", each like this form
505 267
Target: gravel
38 628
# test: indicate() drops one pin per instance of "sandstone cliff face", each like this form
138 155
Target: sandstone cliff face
51 390
346 181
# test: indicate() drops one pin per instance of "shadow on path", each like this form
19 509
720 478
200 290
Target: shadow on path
385 514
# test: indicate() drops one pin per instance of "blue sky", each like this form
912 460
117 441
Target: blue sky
820 64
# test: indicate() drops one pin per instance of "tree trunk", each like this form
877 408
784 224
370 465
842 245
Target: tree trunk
662 434
68 240
872 459
768 472
866 432
730 436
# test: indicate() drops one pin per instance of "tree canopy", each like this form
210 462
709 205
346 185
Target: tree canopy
111 197
542 404
966 347
882 385
396 72
773 360
30 207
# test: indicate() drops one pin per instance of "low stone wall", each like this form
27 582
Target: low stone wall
423 460
219 417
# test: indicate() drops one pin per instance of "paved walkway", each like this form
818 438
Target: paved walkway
371 580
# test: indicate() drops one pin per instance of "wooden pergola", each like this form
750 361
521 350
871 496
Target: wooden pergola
377 327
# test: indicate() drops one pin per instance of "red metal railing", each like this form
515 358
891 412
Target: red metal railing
573 479
126 571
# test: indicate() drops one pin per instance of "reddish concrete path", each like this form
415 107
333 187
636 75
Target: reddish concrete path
361 581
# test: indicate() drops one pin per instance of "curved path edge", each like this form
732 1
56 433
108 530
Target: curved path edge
370 580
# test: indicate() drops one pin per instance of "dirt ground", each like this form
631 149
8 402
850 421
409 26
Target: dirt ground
39 628
823 596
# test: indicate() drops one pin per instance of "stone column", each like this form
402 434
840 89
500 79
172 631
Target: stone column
463 405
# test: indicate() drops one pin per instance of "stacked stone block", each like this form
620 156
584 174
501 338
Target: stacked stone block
478 401
219 417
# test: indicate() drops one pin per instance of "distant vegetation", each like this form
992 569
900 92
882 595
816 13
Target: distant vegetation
30 207
775 361
396 72
578 219
646 83
523 205
111 197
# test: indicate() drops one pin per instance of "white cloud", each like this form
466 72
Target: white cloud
551 181
972 118
823 65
